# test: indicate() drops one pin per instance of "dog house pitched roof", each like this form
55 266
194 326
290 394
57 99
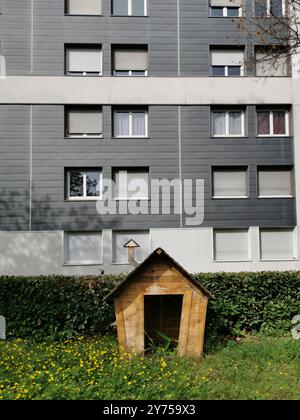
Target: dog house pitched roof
159 252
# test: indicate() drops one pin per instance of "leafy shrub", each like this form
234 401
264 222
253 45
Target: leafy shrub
254 301
57 307
61 307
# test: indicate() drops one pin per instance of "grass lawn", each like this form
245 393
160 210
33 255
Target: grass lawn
256 368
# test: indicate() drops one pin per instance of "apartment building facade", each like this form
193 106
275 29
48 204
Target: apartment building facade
135 91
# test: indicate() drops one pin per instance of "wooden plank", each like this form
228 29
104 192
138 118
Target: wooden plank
120 325
184 323
140 335
197 326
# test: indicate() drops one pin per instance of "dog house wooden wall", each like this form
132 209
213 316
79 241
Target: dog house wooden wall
160 295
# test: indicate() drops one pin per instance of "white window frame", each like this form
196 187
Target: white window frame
65 249
130 135
280 195
295 244
84 197
225 13
129 8
226 71
227 111
271 122
249 240
131 198
229 197
83 73
130 73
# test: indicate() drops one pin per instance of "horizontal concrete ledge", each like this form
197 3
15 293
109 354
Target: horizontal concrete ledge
148 90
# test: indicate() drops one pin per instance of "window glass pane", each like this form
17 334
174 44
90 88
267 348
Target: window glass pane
279 122
232 11
218 70
275 182
137 73
260 8
276 244
85 248
138 124
234 70
216 11
219 123
121 73
121 124
120 254
138 7
229 182
276 7
263 123
76 184
235 123
231 245
92 184
120 7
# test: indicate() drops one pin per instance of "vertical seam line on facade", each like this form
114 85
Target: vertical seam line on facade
178 39
31 36
180 166
30 167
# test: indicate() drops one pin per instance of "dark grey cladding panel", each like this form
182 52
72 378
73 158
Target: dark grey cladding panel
14 167
200 152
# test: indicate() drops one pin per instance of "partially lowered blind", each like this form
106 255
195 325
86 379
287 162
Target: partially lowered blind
84 121
227 3
84 60
132 184
274 182
84 7
227 57
131 59
230 182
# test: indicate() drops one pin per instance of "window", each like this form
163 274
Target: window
226 8
84 61
83 7
83 248
133 123
275 181
269 8
230 182
227 62
83 122
228 123
272 123
129 7
270 63
277 244
120 254
131 184
231 245
130 61
84 184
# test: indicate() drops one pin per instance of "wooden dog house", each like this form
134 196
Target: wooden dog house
159 296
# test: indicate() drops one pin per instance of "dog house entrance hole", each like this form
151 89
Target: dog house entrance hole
162 315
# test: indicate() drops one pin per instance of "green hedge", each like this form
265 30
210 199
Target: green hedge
60 307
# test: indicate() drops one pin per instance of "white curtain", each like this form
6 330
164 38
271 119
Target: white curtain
235 123
121 124
219 123
138 123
